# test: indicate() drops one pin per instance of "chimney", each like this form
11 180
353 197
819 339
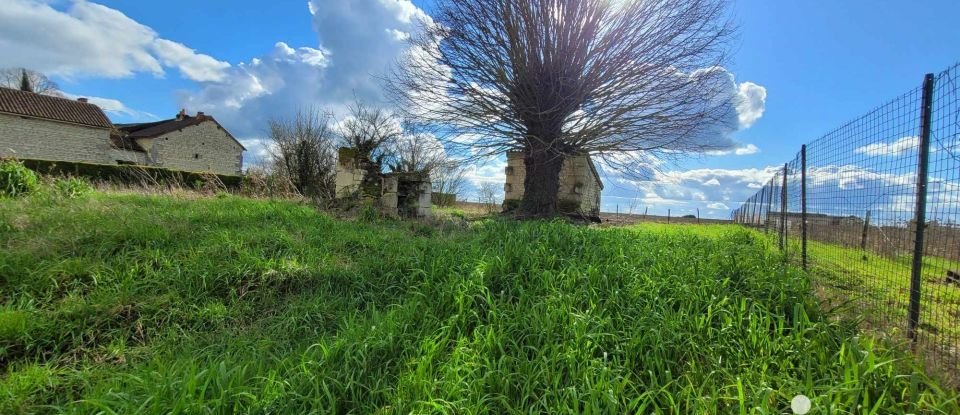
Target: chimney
181 114
200 115
83 100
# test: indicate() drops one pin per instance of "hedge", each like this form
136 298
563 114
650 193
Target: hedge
127 173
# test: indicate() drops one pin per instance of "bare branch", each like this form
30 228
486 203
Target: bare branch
621 80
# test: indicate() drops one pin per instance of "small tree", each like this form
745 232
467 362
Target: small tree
487 194
449 178
416 150
25 82
302 150
372 132
28 80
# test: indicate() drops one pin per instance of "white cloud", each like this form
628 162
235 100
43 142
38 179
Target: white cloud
711 190
89 39
742 150
489 171
902 146
751 102
357 41
193 65
113 106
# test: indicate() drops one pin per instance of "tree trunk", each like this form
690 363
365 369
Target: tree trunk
541 186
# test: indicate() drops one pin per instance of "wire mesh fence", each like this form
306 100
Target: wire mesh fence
871 210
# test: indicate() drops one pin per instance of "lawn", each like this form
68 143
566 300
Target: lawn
125 303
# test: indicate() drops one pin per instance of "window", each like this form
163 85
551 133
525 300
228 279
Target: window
507 187
578 188
196 155
509 171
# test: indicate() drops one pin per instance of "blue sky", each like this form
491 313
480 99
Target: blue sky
820 63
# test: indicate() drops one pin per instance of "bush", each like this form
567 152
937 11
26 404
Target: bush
72 187
16 179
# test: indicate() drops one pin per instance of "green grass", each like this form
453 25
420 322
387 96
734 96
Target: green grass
877 288
124 304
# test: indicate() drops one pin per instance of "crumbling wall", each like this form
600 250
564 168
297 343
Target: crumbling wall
356 176
396 194
407 195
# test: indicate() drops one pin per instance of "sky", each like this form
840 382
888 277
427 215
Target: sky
798 70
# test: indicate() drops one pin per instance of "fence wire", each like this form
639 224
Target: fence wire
864 217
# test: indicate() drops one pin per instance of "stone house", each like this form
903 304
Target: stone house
197 143
396 194
580 184
42 127
35 126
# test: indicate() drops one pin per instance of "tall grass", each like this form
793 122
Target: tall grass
139 304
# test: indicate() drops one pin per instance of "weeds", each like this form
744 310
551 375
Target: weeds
145 304
17 180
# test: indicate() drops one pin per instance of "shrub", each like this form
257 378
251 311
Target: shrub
72 187
16 179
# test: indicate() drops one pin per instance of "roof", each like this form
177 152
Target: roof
158 128
118 141
29 104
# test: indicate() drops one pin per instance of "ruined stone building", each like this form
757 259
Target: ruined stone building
41 127
580 185
396 194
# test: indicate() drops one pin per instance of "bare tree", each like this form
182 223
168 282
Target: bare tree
416 150
487 194
621 80
26 79
373 132
303 151
449 178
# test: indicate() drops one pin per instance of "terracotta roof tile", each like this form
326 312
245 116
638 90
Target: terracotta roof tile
13 101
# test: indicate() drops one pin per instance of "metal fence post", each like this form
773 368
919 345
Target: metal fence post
783 211
920 215
803 205
863 236
766 223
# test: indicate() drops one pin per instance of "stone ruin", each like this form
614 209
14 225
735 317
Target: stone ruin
404 195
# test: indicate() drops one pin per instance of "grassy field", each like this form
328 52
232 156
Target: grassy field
124 303
877 288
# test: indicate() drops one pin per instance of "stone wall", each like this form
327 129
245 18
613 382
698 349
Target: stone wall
580 187
349 175
397 194
128 156
205 147
31 138
406 195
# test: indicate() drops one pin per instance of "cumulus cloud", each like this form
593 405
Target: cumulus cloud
740 150
700 186
905 145
740 105
89 39
357 41
751 102
113 107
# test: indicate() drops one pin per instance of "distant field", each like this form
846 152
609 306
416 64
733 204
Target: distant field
121 303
